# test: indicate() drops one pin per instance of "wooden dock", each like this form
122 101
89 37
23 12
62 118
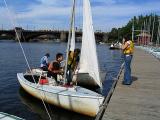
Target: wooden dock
141 100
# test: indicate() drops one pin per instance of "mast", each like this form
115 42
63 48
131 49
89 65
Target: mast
143 33
149 25
133 30
2 27
153 28
140 42
118 34
69 38
158 33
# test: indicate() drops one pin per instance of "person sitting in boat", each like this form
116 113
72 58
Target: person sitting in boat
44 62
55 68
73 61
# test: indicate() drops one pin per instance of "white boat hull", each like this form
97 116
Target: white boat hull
76 99
6 116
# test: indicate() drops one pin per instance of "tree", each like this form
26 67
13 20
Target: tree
140 23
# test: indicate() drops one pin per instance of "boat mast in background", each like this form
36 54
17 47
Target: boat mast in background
133 30
158 32
153 28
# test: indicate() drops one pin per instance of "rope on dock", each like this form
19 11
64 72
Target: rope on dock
108 97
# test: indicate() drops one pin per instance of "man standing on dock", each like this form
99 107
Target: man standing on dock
127 48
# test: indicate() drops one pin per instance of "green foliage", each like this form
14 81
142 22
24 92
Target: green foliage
140 23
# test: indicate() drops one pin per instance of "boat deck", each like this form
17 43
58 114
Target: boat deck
141 100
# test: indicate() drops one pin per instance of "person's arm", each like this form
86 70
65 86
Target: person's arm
50 67
124 46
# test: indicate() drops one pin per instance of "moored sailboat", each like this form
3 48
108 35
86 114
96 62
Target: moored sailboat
74 98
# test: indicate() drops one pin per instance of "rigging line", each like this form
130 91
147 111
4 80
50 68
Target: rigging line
13 23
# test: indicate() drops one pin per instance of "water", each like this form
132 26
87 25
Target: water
14 100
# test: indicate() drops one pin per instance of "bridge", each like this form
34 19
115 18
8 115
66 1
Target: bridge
62 35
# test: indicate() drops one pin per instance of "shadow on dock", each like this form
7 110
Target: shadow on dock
134 78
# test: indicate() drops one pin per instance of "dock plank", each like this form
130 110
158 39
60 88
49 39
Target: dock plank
141 100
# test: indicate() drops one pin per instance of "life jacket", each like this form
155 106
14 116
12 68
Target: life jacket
130 48
72 63
54 66
70 58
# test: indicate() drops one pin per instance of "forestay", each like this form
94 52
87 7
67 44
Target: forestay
88 58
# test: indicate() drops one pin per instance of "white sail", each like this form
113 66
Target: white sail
88 58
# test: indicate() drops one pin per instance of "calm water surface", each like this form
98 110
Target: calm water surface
14 100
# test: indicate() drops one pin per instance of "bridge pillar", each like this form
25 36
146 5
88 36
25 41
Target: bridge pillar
63 36
19 34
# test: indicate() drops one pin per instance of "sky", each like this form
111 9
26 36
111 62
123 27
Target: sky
55 14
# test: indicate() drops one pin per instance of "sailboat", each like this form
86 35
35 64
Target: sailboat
74 98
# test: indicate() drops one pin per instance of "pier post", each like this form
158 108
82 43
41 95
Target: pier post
19 34
63 36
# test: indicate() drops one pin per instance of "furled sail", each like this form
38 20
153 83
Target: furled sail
71 38
88 58
72 44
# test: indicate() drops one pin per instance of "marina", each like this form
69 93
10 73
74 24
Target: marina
13 96
140 101
59 61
